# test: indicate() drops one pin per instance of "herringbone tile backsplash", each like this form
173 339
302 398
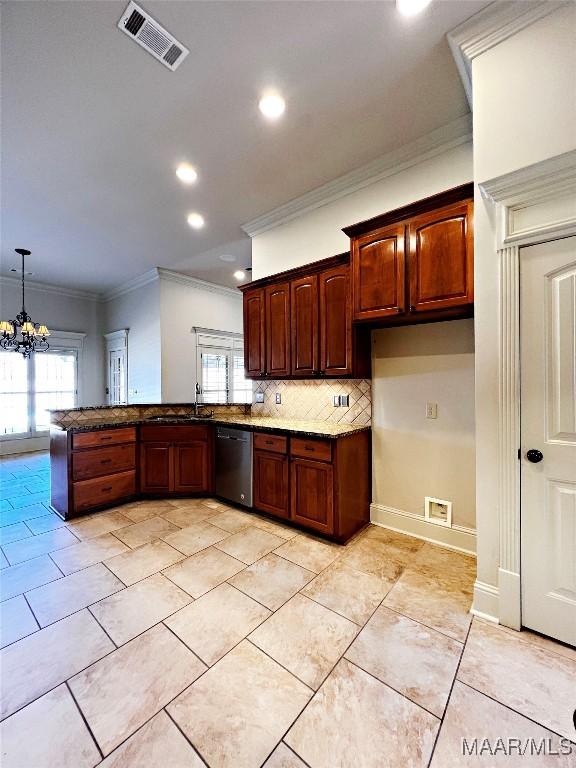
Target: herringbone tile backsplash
313 399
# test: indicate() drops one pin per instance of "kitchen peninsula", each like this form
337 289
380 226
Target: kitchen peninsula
315 474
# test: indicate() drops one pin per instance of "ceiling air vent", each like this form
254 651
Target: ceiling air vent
142 28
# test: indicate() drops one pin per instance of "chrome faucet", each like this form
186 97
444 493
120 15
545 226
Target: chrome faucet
198 406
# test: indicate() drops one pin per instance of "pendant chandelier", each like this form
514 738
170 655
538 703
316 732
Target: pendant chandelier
22 334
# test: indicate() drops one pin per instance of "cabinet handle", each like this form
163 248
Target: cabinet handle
107 489
412 308
309 448
106 438
105 461
269 442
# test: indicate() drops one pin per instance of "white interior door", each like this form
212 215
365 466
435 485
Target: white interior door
117 377
548 424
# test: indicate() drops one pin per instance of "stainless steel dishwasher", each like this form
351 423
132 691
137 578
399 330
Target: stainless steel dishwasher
234 465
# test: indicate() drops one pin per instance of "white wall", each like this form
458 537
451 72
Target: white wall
414 456
138 310
411 457
63 312
524 112
317 235
185 304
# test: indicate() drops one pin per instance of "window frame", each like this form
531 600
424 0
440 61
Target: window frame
60 342
223 343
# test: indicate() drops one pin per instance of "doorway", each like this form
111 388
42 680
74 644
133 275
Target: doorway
117 367
548 437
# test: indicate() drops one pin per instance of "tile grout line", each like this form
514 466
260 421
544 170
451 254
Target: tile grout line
433 750
66 683
516 712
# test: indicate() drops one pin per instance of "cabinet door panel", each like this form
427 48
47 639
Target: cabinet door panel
254 333
312 495
271 483
278 330
378 262
191 469
441 262
304 311
155 467
335 322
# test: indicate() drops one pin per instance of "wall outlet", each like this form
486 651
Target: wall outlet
438 511
259 397
431 410
345 401
336 401
278 398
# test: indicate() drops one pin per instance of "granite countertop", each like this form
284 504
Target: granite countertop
324 429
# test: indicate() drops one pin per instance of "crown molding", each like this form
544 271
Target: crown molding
437 142
131 285
534 203
73 293
170 276
550 177
492 26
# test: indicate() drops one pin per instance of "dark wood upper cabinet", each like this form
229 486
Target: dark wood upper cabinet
335 321
441 261
254 333
307 324
304 311
378 265
278 329
415 264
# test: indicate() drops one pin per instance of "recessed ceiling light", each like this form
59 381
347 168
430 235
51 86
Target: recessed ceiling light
187 173
272 105
239 274
228 257
411 7
195 220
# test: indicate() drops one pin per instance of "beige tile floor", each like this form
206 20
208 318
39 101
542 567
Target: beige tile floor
187 633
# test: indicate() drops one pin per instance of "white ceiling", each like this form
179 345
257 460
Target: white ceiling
93 126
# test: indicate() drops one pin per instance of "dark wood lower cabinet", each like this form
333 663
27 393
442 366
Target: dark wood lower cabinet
271 483
312 488
156 475
191 466
320 484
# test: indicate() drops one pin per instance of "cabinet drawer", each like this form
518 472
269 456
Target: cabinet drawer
304 448
272 443
103 461
166 433
104 437
103 490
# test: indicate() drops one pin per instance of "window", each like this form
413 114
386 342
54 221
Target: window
13 394
54 384
30 388
221 368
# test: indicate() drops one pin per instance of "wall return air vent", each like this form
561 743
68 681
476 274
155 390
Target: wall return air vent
142 28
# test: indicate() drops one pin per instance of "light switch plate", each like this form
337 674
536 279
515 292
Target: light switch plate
336 401
431 410
259 397
278 398
345 401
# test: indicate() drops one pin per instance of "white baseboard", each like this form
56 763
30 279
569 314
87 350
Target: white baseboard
510 602
486 601
457 538
24 445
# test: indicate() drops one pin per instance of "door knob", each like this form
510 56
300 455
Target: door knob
534 455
